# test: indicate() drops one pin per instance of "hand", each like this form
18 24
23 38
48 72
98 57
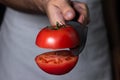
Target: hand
64 10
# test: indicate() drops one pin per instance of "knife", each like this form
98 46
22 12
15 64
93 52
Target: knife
82 32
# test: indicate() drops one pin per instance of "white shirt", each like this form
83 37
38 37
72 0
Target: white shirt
18 50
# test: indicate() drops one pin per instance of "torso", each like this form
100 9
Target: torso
18 49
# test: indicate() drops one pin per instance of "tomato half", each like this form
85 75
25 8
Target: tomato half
56 62
63 37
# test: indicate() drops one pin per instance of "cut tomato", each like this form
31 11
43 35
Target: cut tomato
56 62
56 38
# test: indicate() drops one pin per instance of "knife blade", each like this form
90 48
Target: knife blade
82 32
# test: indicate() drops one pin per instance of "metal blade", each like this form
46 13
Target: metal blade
82 32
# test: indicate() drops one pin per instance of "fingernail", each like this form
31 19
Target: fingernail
81 19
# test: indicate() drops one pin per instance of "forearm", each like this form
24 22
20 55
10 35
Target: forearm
22 5
60 9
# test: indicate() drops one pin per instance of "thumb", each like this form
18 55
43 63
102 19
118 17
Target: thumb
66 9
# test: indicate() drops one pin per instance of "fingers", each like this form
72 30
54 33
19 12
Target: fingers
83 11
66 9
54 14
59 11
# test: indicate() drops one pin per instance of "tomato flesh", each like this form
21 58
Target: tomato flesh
65 37
56 62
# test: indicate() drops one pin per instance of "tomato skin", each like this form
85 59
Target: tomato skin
56 62
65 37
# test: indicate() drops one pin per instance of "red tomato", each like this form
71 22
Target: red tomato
63 37
56 62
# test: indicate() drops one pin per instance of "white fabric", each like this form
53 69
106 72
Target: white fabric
18 50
